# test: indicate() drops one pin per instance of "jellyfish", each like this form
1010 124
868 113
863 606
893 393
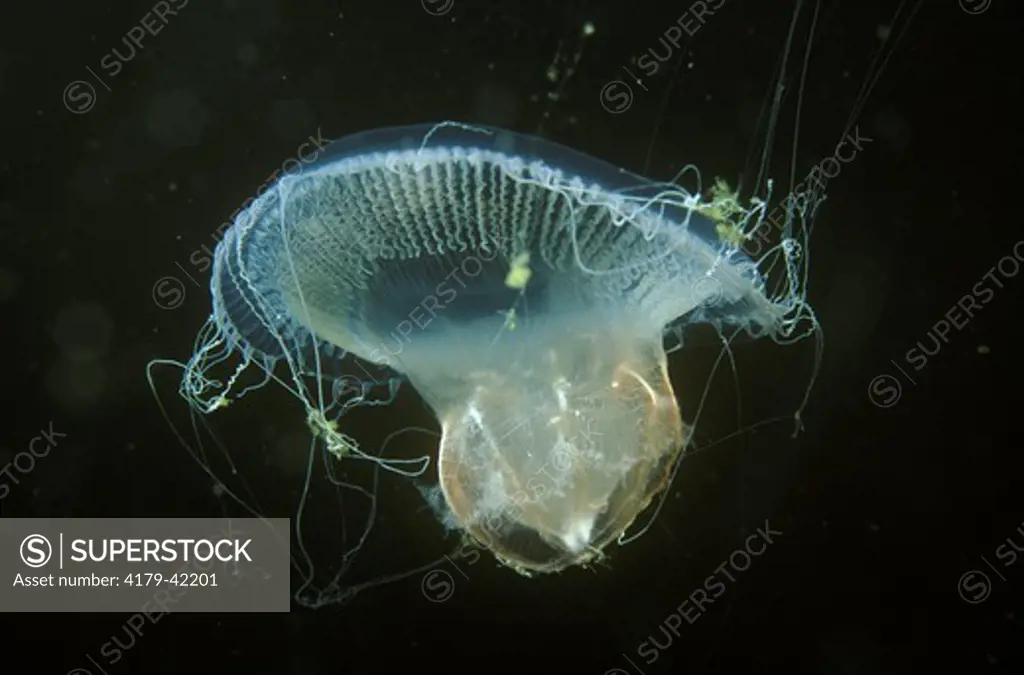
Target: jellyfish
524 290
530 295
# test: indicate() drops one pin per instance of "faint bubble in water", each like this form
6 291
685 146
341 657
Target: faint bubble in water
177 118
83 332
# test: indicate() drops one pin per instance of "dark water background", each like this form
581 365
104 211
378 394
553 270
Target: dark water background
882 509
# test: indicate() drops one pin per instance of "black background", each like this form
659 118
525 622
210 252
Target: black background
882 509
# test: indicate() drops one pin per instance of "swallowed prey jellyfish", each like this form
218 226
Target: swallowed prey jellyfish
524 290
